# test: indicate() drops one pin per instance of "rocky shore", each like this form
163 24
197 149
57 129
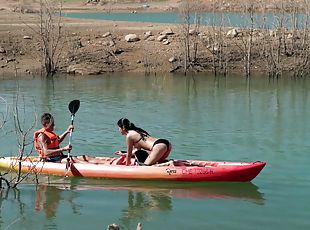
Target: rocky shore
97 46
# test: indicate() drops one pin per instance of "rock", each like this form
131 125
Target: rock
166 42
10 60
192 32
147 34
289 36
146 5
167 32
150 38
108 43
175 69
118 51
215 48
30 11
2 50
82 69
132 38
161 38
107 34
111 43
172 59
232 33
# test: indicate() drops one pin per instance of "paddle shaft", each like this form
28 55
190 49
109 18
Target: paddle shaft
70 137
73 108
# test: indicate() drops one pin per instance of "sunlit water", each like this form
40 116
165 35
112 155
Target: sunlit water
204 117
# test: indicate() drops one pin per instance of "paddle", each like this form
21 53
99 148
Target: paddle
73 108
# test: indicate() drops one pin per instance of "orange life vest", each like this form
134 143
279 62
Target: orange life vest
52 142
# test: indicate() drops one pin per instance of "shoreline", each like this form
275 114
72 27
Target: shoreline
91 47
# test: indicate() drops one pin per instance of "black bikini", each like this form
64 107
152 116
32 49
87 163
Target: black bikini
136 142
162 141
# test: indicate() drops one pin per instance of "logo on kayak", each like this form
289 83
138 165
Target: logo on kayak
170 171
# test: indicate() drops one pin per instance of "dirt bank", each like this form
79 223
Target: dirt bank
96 46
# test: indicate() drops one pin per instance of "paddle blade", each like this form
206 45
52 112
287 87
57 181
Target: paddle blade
74 106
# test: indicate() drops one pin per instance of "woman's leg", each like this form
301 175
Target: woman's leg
165 156
93 160
158 152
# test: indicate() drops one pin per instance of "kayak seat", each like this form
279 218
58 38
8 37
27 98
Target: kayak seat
122 161
138 157
141 155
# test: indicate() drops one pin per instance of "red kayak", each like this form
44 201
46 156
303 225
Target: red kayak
114 168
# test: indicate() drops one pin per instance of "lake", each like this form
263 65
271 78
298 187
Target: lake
225 19
205 117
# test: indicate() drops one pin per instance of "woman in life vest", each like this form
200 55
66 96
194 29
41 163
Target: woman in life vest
46 142
140 139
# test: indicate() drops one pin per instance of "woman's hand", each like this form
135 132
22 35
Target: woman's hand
66 148
120 152
70 128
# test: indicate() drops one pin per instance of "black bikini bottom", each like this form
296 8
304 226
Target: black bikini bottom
162 141
141 155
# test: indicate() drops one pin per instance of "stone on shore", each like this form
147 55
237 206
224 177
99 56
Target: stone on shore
132 38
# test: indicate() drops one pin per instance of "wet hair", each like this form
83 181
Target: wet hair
124 123
47 118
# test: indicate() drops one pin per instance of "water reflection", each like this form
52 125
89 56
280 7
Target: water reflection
144 198
47 199
140 204
10 196
161 193
130 201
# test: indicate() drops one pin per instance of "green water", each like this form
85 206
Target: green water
261 20
204 117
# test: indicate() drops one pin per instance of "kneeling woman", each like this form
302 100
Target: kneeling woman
140 139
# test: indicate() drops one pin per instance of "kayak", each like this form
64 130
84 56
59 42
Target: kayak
115 168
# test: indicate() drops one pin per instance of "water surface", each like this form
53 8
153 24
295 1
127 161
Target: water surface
225 19
204 117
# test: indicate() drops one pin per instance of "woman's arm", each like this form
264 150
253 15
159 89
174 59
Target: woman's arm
129 143
62 136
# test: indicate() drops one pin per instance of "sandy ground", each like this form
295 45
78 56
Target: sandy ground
86 48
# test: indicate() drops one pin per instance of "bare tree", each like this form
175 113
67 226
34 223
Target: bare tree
217 45
4 117
300 40
49 29
50 34
24 133
4 114
273 42
189 37
247 39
